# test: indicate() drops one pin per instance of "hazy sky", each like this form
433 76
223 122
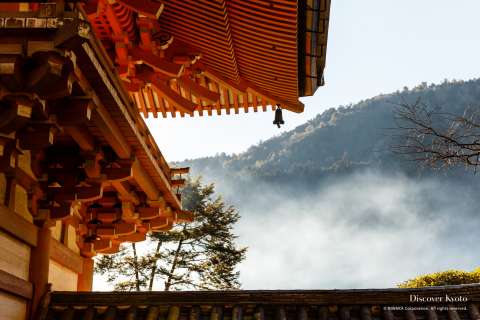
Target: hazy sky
374 46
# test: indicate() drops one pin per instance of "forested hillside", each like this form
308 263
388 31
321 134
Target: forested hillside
339 140
331 198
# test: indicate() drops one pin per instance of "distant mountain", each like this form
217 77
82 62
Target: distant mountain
338 141
330 200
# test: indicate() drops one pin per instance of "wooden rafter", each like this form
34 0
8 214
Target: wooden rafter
158 64
203 92
173 97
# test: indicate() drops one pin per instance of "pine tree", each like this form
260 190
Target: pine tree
197 255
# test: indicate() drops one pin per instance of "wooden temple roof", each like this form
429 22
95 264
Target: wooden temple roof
94 161
186 56
365 304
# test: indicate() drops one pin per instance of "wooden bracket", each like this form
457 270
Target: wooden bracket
90 193
15 112
184 216
73 112
149 213
183 170
37 136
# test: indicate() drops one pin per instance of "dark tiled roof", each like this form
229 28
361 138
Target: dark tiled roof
270 305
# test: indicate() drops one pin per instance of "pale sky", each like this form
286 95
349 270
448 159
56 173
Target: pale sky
374 46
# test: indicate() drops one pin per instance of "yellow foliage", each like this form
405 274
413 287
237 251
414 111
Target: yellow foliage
449 277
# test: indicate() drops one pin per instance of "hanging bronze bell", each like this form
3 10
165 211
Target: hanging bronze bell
278 117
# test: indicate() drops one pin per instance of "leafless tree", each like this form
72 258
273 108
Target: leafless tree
437 139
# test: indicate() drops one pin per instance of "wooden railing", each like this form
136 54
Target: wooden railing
387 304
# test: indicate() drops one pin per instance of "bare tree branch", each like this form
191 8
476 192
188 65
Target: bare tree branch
437 139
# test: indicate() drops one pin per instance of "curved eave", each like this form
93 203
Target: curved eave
260 52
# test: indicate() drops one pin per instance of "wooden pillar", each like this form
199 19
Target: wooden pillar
85 279
39 266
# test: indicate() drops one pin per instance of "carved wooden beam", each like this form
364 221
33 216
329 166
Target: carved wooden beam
184 216
111 132
106 232
148 8
15 112
103 120
63 156
125 191
48 214
134 237
158 223
113 249
158 203
11 72
108 215
37 136
61 212
165 228
186 59
202 92
102 245
149 213
119 171
92 164
81 136
235 87
177 182
27 182
128 211
66 177
125 229
91 193
109 199
169 213
183 170
144 181
50 77
173 97
157 63
73 112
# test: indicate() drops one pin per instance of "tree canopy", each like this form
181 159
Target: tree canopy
197 255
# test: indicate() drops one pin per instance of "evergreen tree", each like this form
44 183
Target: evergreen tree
197 255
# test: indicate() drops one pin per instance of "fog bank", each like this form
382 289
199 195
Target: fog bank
365 230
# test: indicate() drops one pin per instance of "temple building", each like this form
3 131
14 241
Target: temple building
80 173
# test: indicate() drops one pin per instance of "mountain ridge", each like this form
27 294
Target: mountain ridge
338 140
